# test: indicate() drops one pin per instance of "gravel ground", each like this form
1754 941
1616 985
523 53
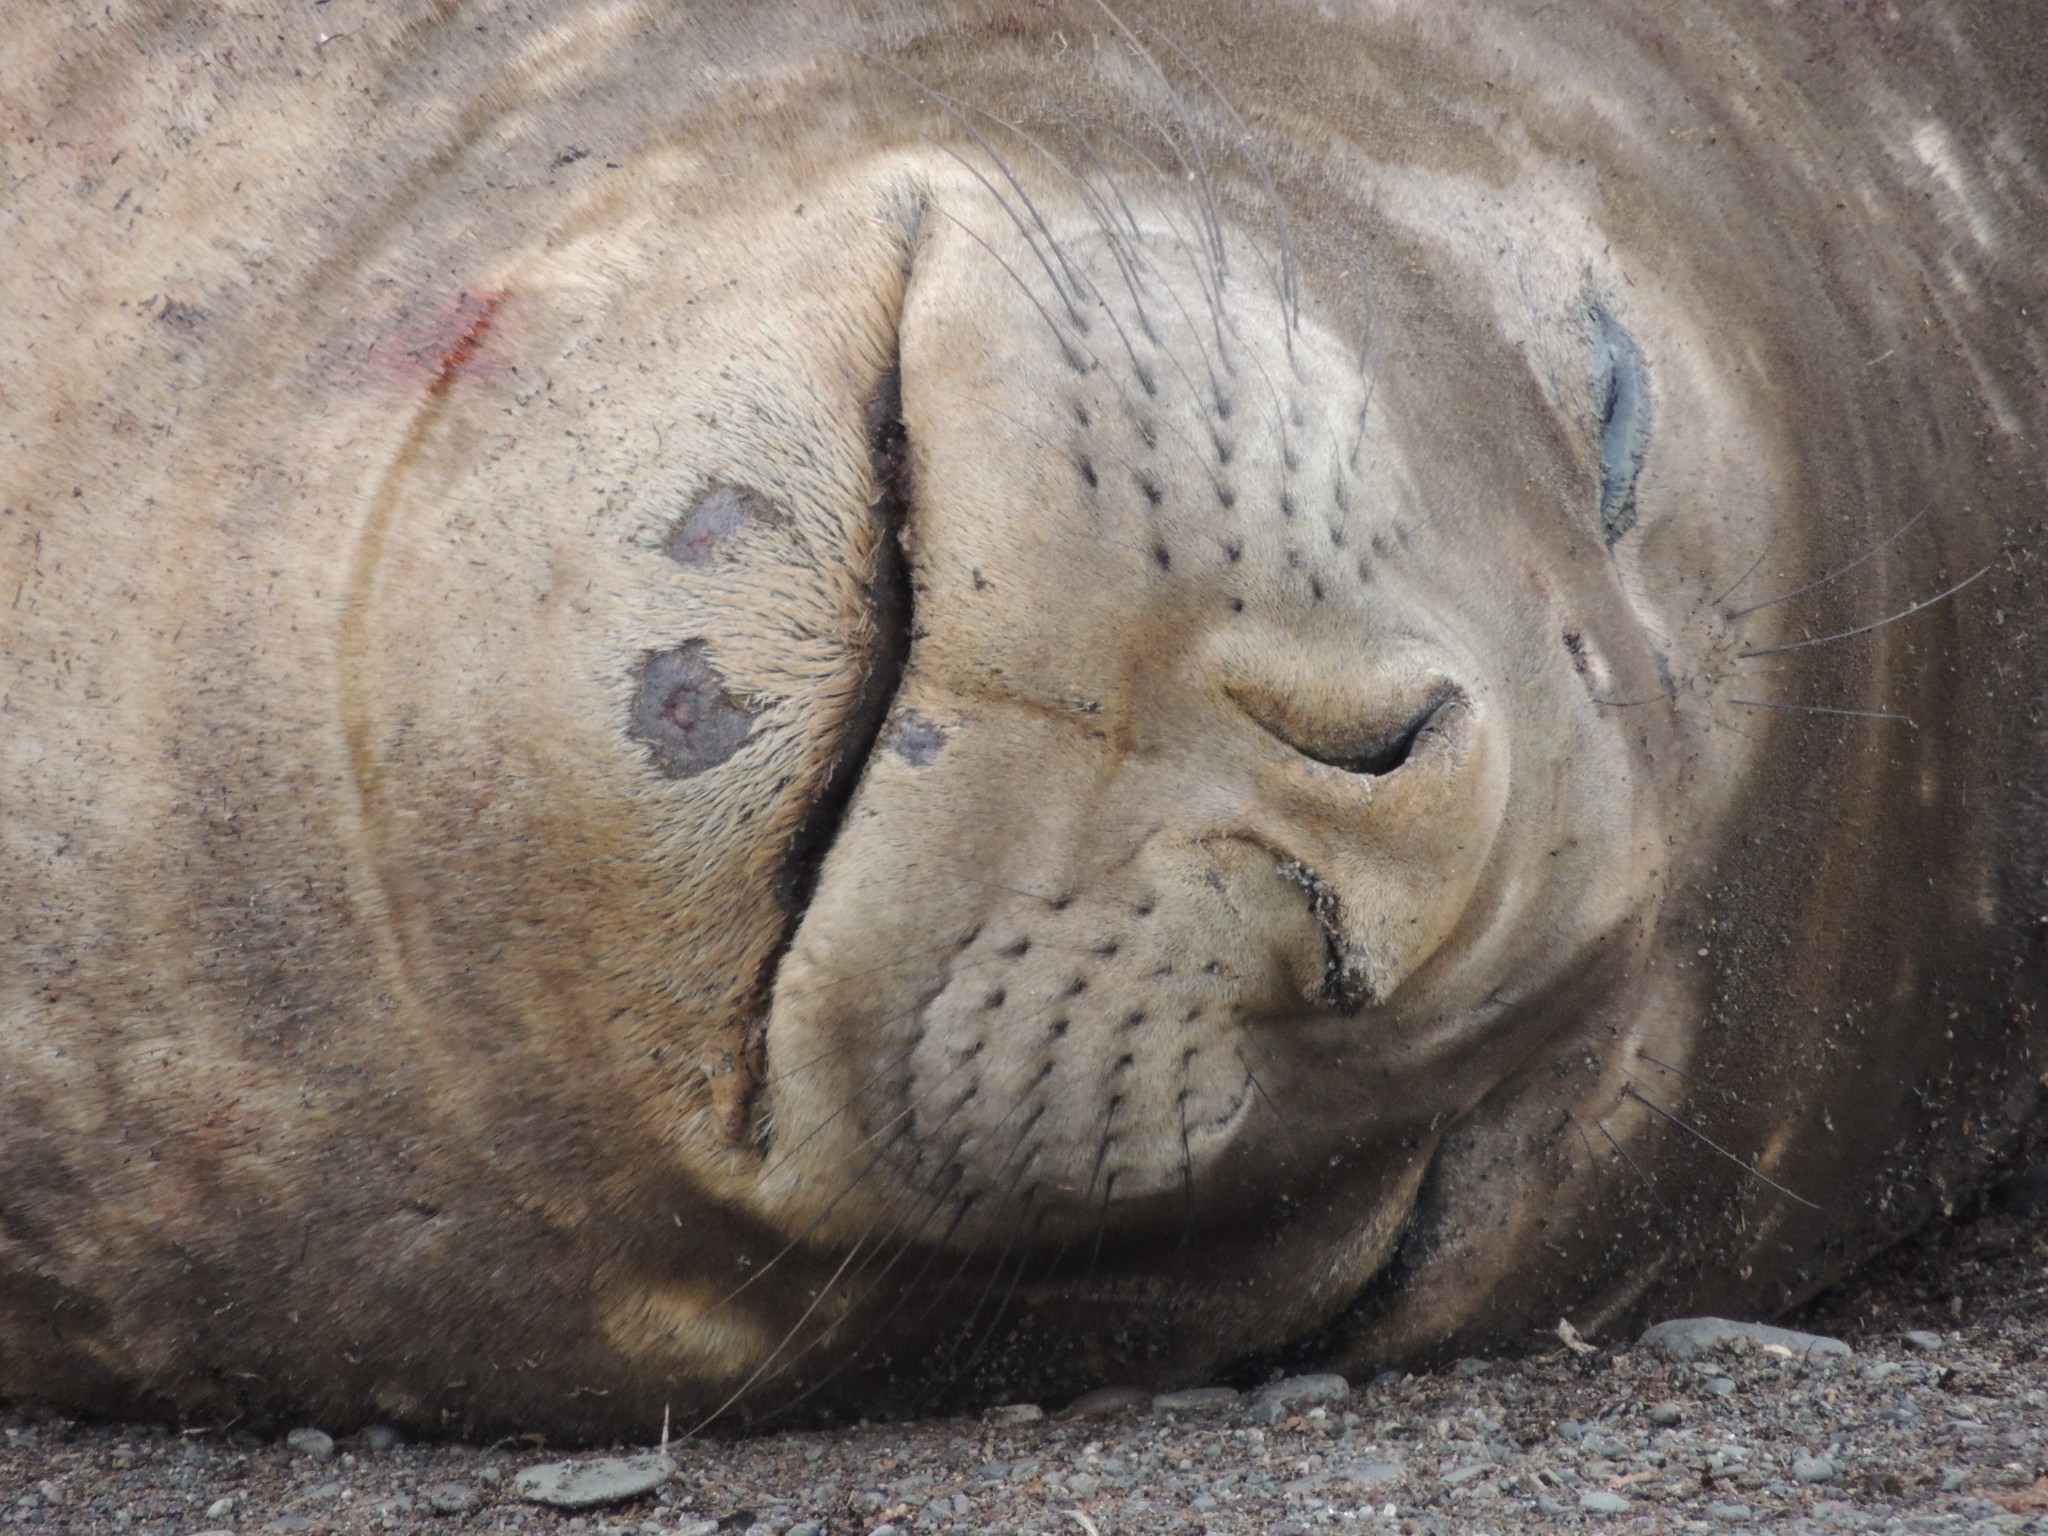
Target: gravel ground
1938 1421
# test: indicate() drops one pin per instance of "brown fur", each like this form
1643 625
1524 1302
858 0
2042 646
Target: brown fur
406 1013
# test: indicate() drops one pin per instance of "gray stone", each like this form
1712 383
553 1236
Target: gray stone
1368 1473
221 1507
592 1484
1466 1473
380 1438
805 1528
1687 1337
1664 1415
1194 1399
1721 1386
316 1443
1601 1502
1813 1469
1014 1413
1920 1338
697 1528
451 1498
1730 1511
1300 1391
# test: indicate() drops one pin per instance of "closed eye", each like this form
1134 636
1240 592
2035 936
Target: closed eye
1621 392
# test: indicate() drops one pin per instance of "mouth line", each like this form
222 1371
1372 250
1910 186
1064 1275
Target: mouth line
890 610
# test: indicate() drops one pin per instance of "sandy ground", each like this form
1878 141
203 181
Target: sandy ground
1943 1431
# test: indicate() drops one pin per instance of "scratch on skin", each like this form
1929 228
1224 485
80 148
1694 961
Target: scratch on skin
458 340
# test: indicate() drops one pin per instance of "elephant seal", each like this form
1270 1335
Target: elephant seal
742 709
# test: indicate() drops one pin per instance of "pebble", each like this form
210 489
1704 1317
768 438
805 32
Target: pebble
697 1528
316 1443
1014 1413
591 1484
380 1438
1687 1337
1106 1402
1813 1469
221 1507
451 1498
1194 1399
1921 1339
805 1528
1729 1511
1299 1391
1600 1502
1664 1415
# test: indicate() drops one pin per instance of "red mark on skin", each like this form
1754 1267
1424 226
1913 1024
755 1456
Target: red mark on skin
458 338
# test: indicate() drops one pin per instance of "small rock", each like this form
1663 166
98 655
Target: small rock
451 1498
316 1443
490 1473
1729 1512
1194 1399
1601 1502
1920 1338
697 1528
1721 1386
1813 1469
805 1528
221 1507
1013 1413
380 1438
1466 1473
1084 1486
1299 1391
591 1484
1368 1473
1106 1402
1687 1337
1665 1415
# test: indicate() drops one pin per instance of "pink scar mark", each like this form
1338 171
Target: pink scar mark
450 342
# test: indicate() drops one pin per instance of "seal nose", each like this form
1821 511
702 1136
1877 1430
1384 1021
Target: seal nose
1377 795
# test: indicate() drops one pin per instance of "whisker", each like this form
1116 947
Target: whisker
1288 284
1864 629
1763 555
1694 1131
1822 709
1842 570
952 109
1698 1082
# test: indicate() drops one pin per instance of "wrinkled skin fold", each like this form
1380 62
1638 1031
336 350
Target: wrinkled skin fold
739 709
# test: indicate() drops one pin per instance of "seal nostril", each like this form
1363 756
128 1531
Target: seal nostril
1373 753
1392 752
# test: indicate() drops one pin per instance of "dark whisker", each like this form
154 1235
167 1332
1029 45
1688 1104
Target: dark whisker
1822 709
1821 581
1288 284
1707 1141
1864 629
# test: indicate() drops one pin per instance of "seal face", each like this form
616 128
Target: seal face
713 714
